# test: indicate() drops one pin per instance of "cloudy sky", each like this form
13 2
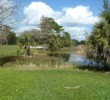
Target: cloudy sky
76 16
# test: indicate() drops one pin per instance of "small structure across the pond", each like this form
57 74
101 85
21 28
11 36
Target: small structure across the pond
38 47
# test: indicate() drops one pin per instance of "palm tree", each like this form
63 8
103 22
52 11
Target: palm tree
99 41
55 42
26 40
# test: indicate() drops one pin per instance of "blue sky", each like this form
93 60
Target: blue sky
76 16
59 4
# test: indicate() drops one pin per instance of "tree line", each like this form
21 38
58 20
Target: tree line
50 34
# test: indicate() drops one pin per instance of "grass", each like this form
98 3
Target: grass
80 50
37 62
37 78
9 50
53 85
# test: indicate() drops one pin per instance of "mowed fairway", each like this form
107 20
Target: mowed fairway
53 85
8 50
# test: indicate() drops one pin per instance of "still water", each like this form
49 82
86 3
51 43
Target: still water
78 60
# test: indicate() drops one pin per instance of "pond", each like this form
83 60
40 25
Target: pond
73 58
80 60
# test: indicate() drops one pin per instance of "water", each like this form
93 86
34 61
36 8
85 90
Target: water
74 58
80 60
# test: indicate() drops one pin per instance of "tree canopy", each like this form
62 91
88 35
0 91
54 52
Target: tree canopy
54 34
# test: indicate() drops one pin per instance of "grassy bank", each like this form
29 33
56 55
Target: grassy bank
9 50
53 85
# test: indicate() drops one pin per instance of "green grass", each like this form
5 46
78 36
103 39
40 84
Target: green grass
53 85
21 81
9 50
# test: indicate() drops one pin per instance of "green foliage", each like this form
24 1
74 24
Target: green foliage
82 42
11 38
26 40
54 43
49 26
52 33
75 42
99 41
66 39
106 11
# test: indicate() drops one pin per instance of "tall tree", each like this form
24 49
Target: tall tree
51 32
11 38
99 41
49 26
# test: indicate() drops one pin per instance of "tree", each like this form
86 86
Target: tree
67 39
26 40
11 38
5 29
99 41
51 32
75 42
49 26
54 43
7 7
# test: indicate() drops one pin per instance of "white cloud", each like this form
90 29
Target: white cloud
36 10
70 18
80 15
77 32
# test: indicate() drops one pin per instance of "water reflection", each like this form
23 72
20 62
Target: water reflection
73 58
81 61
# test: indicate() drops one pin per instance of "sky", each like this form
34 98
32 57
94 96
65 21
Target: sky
76 16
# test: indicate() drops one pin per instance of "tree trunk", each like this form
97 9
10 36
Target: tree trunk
27 48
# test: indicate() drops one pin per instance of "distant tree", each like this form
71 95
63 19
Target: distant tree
11 38
81 42
66 39
25 40
5 29
7 8
51 32
49 26
75 42
35 36
54 43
